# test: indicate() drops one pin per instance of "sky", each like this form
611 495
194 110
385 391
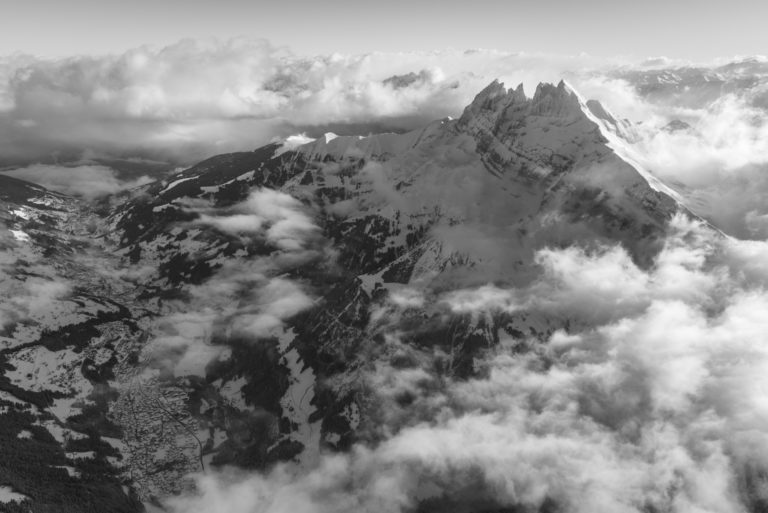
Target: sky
686 29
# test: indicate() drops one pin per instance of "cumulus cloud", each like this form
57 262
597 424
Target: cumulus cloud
41 294
652 399
250 298
406 297
30 288
195 98
244 298
182 341
719 160
278 215
239 300
278 300
292 142
88 181
486 298
192 99
705 136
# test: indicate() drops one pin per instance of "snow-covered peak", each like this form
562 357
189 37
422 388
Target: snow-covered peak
496 101
557 129
551 129
495 98
559 100
483 192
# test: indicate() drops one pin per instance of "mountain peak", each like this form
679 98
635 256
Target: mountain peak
552 128
559 100
495 98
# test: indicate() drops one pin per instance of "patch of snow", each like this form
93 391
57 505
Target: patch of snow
332 438
369 281
296 403
175 183
219 437
40 369
85 455
163 207
8 495
246 176
232 392
72 471
212 189
7 396
22 213
62 408
20 236
47 201
57 432
116 443
352 414
115 461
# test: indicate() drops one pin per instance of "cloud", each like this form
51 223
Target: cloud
194 98
406 298
182 341
377 177
239 300
32 298
486 298
278 300
292 142
604 283
249 297
237 223
88 181
717 158
278 215
30 290
652 399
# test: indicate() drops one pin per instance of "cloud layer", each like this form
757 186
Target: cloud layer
248 297
652 400
181 103
88 181
196 98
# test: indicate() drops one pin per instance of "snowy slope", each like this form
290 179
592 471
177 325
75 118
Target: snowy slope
226 315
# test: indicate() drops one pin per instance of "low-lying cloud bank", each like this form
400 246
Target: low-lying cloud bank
653 400
194 98
88 181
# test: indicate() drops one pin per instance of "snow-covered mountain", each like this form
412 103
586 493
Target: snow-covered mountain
226 315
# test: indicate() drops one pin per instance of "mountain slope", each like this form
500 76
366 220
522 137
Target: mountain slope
458 204
63 328
238 304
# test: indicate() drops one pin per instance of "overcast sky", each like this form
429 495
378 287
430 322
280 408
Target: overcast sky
688 29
